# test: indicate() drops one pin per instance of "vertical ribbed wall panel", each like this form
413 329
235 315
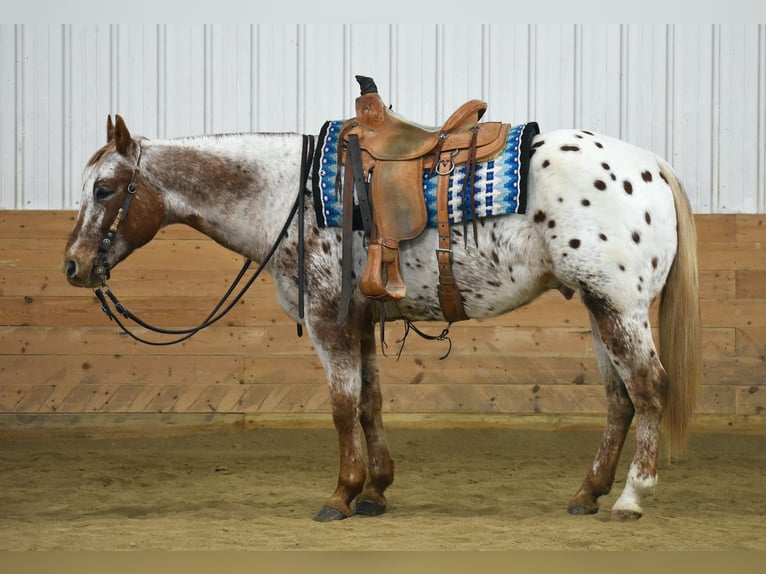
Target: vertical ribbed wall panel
695 94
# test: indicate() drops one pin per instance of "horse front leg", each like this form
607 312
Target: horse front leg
380 467
339 349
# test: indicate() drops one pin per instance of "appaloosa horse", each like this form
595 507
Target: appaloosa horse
604 219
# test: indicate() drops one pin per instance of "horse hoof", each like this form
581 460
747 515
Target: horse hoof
330 514
369 508
579 509
625 515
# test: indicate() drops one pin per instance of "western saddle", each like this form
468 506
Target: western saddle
394 155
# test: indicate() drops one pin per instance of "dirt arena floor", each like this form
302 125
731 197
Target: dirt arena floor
494 488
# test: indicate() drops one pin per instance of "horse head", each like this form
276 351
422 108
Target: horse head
120 211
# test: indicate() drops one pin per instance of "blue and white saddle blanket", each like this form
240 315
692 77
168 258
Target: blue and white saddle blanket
500 184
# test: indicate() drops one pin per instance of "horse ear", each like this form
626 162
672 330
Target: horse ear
121 136
109 129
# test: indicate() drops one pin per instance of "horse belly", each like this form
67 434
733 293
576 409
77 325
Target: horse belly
505 269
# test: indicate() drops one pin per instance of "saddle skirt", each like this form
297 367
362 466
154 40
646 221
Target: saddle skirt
500 182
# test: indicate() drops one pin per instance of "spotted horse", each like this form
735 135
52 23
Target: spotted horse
604 219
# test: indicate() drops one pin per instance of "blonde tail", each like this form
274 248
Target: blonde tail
680 325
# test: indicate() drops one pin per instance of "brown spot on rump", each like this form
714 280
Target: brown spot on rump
600 185
636 237
654 263
546 163
602 237
585 202
551 224
539 216
586 132
495 257
648 218
646 176
599 145
574 243
570 148
628 187
606 166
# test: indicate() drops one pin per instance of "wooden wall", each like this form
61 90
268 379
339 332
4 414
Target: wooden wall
59 353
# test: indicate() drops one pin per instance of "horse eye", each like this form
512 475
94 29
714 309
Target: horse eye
102 194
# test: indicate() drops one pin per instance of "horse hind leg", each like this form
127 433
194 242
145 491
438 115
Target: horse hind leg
600 477
380 467
628 343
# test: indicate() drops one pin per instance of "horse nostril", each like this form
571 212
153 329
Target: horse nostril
71 269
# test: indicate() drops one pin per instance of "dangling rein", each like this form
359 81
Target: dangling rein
105 294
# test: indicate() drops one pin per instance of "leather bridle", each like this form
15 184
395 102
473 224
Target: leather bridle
105 245
105 295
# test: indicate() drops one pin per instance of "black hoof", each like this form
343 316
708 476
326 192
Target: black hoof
581 510
330 514
369 508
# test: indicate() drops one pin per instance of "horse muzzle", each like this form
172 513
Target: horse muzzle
79 274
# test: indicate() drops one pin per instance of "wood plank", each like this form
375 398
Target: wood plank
722 256
171 254
166 312
133 281
751 228
314 398
255 369
107 340
719 227
717 284
54 224
738 313
266 369
129 282
30 224
751 400
751 342
257 308
750 283
469 340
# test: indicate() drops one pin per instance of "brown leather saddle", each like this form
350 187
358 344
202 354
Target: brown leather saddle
394 154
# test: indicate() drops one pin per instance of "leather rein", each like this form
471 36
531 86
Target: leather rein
105 294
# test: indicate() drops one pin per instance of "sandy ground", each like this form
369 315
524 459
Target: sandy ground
455 488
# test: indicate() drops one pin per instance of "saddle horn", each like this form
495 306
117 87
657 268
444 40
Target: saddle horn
367 85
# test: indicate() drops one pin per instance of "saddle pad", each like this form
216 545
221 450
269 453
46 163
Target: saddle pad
500 184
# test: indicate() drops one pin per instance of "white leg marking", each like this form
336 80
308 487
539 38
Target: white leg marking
635 490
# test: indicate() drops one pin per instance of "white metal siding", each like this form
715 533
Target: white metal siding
695 94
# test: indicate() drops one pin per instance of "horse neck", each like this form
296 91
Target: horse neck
236 189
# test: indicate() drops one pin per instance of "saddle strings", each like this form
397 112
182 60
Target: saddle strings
104 292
